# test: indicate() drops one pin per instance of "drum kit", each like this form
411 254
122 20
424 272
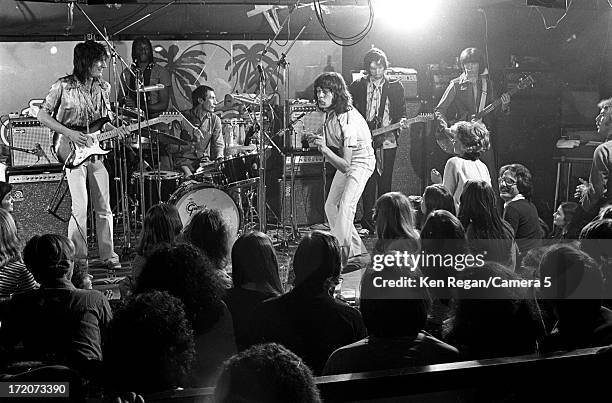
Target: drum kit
227 184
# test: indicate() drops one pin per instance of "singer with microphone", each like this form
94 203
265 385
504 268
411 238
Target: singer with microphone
346 143
157 84
78 100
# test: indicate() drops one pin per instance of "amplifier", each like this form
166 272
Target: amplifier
32 193
29 134
303 117
307 166
408 78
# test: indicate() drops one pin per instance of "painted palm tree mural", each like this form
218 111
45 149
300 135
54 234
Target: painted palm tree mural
188 69
244 70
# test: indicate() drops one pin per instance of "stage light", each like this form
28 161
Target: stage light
53 50
158 48
408 14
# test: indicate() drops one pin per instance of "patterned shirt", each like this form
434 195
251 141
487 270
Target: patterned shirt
374 95
15 278
71 103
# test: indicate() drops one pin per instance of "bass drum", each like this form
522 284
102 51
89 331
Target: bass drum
192 197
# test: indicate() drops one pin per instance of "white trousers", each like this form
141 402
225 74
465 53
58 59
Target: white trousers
96 173
341 206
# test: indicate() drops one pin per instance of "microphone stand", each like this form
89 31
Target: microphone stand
284 65
261 199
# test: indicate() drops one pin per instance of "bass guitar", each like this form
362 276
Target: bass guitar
72 155
446 140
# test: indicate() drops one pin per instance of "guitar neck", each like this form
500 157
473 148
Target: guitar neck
130 128
493 105
395 126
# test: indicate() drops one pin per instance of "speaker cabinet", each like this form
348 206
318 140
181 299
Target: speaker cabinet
29 134
32 193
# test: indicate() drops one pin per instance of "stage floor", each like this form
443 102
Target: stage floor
104 280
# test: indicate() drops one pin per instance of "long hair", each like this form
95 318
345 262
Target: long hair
473 55
479 216
210 233
394 221
523 178
142 40
437 197
9 241
162 224
5 188
254 261
49 256
317 259
85 55
342 101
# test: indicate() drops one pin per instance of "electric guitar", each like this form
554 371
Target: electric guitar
378 131
446 141
72 155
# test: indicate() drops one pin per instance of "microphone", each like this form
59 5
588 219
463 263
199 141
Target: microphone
154 87
260 69
297 119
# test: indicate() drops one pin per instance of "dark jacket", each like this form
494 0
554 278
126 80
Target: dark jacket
391 89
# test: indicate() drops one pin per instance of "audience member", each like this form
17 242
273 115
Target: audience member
185 273
150 345
6 197
308 320
394 224
562 219
162 226
255 278
473 140
208 231
487 233
596 240
437 197
14 277
57 323
443 236
575 290
515 189
493 322
395 318
266 373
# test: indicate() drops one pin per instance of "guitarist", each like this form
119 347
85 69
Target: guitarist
381 102
468 94
77 100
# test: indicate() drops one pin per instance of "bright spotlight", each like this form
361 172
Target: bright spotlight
158 48
405 13
53 50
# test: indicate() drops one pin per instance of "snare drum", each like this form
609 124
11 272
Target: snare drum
192 197
169 181
240 170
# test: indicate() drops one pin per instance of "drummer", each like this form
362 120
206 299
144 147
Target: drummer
203 132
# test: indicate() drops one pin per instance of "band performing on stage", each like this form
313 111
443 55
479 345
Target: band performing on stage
194 208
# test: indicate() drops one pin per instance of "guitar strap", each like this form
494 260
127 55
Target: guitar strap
483 94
